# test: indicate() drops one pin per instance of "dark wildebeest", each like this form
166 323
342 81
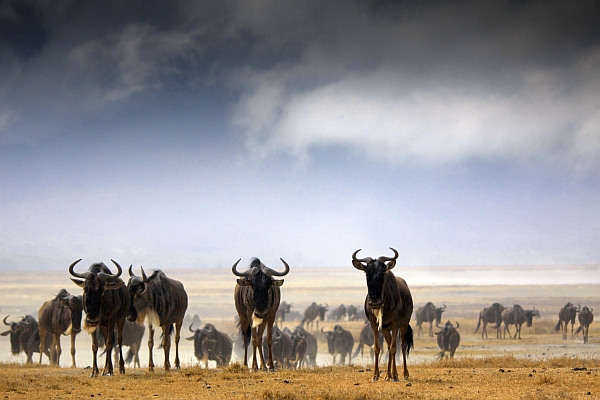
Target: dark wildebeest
305 348
448 338
161 301
282 347
132 337
339 313
211 344
517 316
339 341
388 306
314 312
565 315
586 316
352 313
489 315
284 308
24 337
367 339
105 302
257 296
428 313
60 316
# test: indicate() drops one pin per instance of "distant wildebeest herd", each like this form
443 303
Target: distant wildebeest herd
116 312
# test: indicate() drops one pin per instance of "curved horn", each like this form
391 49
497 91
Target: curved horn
248 272
437 325
131 274
269 272
4 320
444 307
384 259
322 330
190 328
209 328
26 320
144 277
357 262
75 274
457 325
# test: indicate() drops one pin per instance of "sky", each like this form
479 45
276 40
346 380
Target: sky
189 134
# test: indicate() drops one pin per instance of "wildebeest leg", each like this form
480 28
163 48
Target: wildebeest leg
270 364
484 330
518 331
150 346
107 332
257 348
377 349
42 333
177 337
57 349
73 337
507 330
95 370
404 348
390 340
166 344
120 325
431 329
135 349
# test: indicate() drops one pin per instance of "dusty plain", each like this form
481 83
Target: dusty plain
539 366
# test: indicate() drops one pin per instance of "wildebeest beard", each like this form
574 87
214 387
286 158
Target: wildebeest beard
375 278
92 304
261 285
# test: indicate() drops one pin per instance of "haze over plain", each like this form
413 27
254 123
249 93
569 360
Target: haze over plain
190 134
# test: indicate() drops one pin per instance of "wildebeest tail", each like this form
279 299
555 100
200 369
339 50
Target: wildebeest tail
245 335
358 349
409 342
557 327
478 324
162 335
578 329
129 356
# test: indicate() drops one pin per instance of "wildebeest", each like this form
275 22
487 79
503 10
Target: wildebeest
105 302
367 339
339 341
284 308
489 315
428 313
565 315
448 338
339 313
60 316
352 313
586 316
517 316
132 337
24 337
257 297
282 347
314 312
211 344
305 348
160 301
388 306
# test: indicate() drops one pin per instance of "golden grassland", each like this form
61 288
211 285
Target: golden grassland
466 378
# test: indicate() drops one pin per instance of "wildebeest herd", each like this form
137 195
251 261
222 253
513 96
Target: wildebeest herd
116 312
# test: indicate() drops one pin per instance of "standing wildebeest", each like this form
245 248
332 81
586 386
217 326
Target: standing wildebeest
105 302
352 313
60 316
388 306
448 338
132 337
284 308
367 338
282 347
24 337
339 313
428 313
488 315
339 341
517 316
586 316
211 344
314 312
161 301
257 296
565 315
305 348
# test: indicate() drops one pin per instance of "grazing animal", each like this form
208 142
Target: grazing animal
448 339
284 308
565 315
428 313
60 316
367 339
211 344
339 341
25 338
314 312
352 313
257 296
517 316
388 306
586 316
489 315
339 313
132 337
105 302
160 301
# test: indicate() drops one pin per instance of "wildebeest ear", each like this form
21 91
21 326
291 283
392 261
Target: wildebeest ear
78 282
390 265
114 285
189 338
244 282
277 282
5 333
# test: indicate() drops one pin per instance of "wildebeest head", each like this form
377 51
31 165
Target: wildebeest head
204 339
138 286
75 305
19 332
438 313
529 314
332 336
260 278
375 271
96 280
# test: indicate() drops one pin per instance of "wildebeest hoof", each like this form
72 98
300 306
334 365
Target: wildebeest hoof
375 379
